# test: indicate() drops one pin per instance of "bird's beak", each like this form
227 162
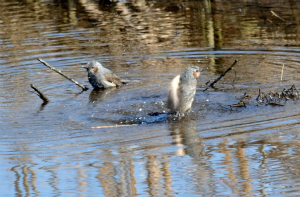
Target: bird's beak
85 67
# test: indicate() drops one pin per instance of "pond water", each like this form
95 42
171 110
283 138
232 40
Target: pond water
55 149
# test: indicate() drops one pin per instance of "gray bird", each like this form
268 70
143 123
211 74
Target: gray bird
182 91
101 77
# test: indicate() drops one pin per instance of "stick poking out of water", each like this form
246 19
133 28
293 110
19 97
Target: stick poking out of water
222 75
281 72
40 94
276 15
62 74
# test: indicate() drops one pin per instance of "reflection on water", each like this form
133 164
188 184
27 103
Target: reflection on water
98 96
185 133
51 150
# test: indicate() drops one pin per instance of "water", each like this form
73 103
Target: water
53 149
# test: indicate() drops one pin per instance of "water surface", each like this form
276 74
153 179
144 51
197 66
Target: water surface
52 149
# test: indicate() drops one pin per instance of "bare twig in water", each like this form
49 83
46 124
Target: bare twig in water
222 75
280 18
274 104
245 96
234 75
269 20
242 102
59 72
292 92
281 72
40 94
277 98
260 97
114 126
239 104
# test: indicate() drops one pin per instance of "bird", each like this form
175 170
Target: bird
101 77
182 91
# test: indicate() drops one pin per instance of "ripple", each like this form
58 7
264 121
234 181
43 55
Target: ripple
53 149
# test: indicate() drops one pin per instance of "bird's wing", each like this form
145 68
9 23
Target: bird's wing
112 78
173 98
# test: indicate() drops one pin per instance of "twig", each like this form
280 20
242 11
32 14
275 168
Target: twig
280 17
234 76
281 72
40 94
102 127
59 72
222 75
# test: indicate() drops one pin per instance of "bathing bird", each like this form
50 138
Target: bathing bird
101 77
182 91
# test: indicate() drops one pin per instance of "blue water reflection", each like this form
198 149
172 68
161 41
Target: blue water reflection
75 146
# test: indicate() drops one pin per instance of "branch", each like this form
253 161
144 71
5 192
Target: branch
281 72
59 72
280 18
222 75
40 94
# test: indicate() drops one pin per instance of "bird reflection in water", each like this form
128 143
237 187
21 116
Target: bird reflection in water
185 134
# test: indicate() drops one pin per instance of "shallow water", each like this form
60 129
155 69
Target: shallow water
52 149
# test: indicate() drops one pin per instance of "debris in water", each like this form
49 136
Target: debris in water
243 101
277 98
270 98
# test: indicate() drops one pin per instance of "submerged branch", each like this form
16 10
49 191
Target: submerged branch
40 94
59 72
222 75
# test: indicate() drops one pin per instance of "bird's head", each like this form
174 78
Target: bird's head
196 71
93 66
192 72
